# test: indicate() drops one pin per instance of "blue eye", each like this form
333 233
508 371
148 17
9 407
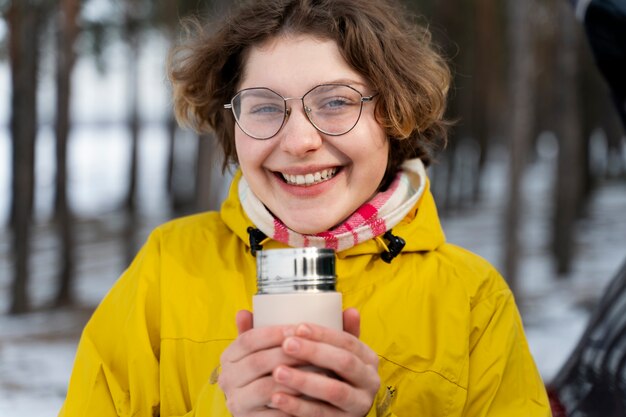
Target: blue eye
338 102
267 109
334 105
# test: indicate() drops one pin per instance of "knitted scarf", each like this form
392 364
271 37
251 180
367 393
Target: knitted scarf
375 217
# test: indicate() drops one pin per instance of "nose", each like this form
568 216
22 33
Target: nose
299 136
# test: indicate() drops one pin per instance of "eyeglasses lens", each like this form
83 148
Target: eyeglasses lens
333 109
260 112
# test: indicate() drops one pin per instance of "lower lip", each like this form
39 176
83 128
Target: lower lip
307 190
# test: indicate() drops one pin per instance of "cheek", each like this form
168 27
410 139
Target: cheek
245 154
382 148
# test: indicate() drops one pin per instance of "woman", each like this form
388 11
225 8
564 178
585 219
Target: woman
330 109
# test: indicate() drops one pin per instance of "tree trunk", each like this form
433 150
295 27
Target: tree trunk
487 64
568 190
521 125
453 40
131 30
24 26
67 33
132 38
171 128
172 16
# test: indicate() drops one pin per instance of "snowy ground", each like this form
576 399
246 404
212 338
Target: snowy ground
36 350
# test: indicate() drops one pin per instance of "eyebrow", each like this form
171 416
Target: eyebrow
253 92
344 81
262 92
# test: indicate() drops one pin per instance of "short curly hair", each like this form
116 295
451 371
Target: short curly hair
375 37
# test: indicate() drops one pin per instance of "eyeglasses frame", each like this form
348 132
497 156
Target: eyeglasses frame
287 112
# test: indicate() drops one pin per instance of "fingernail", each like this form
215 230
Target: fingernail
292 345
282 375
304 330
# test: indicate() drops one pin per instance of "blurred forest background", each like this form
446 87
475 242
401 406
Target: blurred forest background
525 82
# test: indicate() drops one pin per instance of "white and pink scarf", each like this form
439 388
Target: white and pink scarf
378 215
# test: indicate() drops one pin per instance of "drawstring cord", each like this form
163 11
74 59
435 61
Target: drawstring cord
392 248
257 239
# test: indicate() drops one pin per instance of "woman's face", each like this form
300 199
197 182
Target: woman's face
353 163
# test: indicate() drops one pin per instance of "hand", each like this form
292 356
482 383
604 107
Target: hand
355 364
247 364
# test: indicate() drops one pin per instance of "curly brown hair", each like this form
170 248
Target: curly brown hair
376 37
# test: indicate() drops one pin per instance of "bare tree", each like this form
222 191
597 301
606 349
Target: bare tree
67 33
521 81
131 34
487 86
569 186
170 17
24 22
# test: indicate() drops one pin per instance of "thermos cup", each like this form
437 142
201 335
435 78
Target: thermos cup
297 285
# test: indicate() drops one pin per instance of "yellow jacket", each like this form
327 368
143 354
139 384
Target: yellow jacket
442 320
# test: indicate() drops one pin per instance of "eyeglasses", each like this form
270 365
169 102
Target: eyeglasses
333 109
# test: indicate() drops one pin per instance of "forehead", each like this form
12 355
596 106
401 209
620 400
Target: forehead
296 62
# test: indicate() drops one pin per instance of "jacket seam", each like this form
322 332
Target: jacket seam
423 372
491 295
197 341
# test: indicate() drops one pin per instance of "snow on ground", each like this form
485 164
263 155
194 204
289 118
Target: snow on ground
35 363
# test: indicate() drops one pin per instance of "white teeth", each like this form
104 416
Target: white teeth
311 178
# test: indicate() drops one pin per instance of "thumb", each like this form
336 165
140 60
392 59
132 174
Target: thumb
243 320
352 322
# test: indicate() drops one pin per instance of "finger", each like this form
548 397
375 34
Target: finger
254 366
244 321
352 322
343 362
337 393
254 340
271 412
255 397
343 340
299 407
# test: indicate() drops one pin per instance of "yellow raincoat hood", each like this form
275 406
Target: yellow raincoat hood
442 320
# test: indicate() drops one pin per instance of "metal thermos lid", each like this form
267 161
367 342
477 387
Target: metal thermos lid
295 270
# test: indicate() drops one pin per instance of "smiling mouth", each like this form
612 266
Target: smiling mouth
311 178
